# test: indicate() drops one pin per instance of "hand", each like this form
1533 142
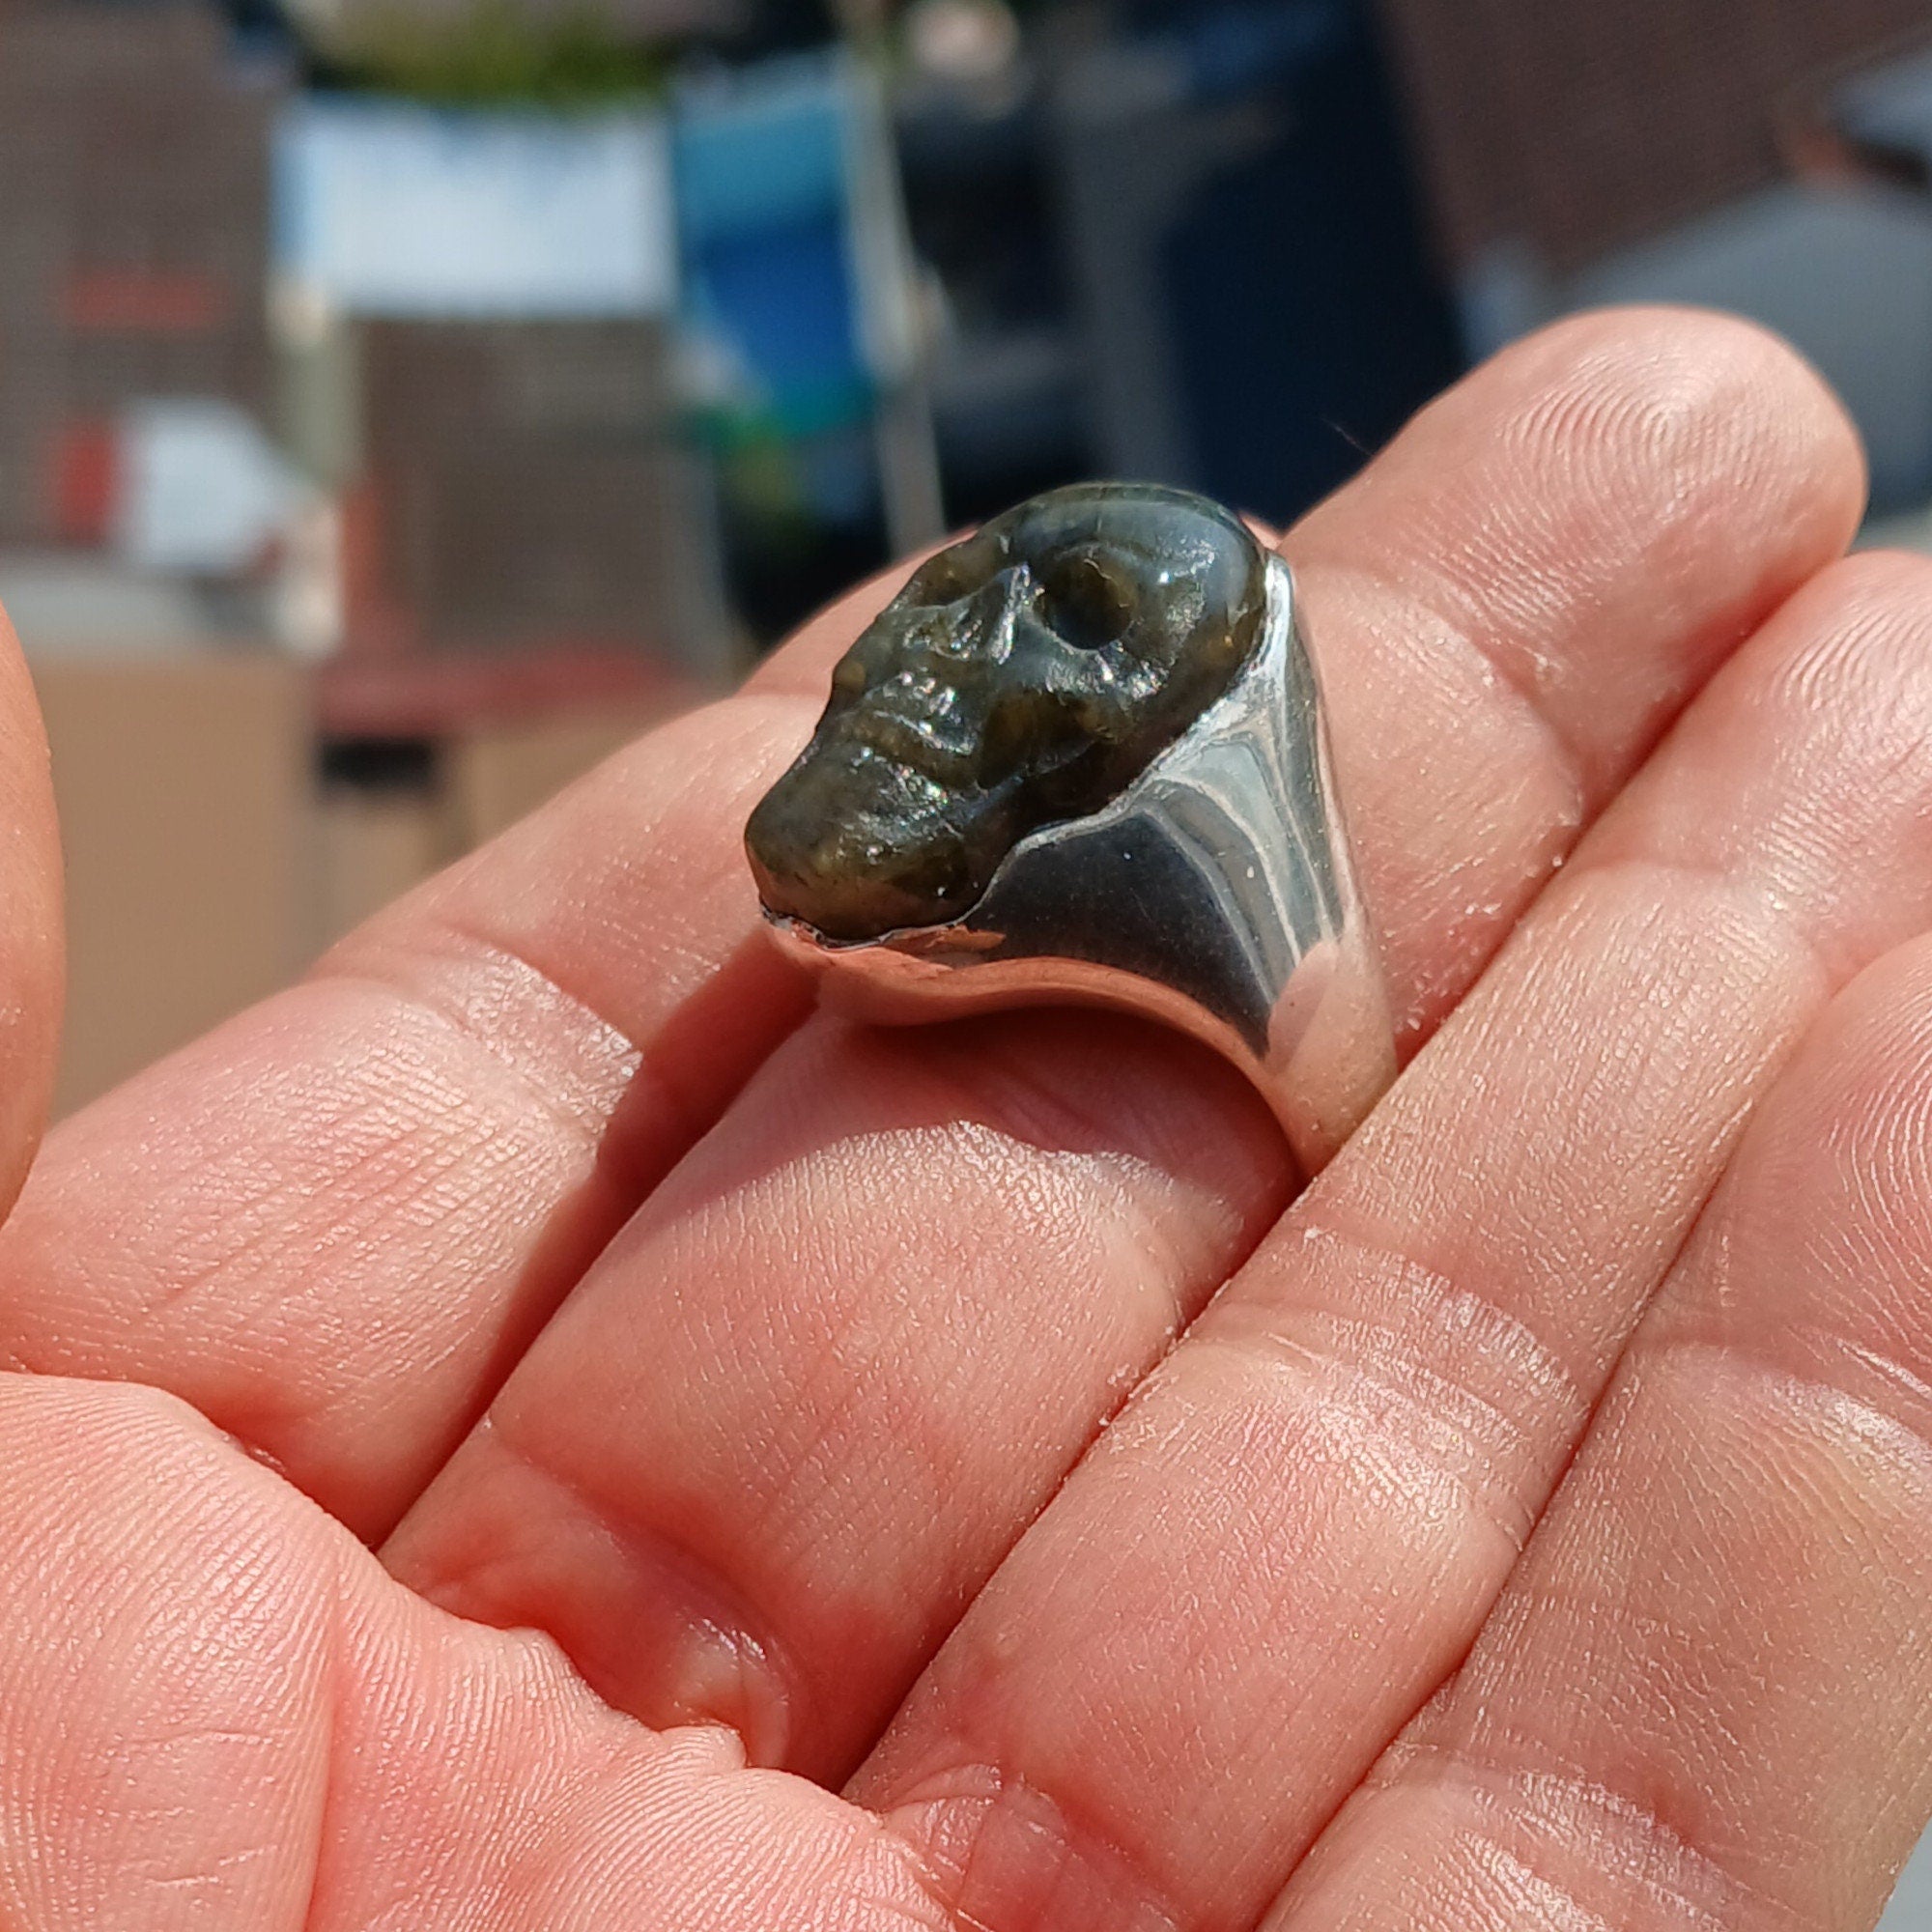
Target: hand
1534 1532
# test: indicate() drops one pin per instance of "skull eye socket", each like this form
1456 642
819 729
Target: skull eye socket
1084 602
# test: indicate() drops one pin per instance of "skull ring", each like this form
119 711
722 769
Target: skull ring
1081 758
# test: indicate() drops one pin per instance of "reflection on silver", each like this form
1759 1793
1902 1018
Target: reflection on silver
1216 893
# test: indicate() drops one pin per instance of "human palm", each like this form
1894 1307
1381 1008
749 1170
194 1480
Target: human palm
1530 1527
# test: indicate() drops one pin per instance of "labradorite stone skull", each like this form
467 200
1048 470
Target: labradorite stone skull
1022 678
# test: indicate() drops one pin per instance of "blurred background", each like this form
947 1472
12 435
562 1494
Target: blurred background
404 402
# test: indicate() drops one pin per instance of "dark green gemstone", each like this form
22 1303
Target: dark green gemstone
1024 677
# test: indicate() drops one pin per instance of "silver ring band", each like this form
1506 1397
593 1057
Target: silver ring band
1215 894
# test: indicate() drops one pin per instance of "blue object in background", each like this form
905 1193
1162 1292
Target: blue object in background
763 189
1234 47
1910 1906
1309 319
1248 256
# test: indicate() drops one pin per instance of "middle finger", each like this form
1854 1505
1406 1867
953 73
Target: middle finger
797 1413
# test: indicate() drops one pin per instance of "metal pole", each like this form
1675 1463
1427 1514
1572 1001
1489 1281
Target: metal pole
891 316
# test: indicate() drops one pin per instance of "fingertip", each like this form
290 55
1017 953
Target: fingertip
1638 421
1607 509
1697 393
1865 623
1889 579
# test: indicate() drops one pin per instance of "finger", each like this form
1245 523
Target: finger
219 1715
803 1405
31 955
331 1224
1706 1697
1293 1532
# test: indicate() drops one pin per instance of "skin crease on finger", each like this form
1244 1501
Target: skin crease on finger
332 1223
807 1402
379 1765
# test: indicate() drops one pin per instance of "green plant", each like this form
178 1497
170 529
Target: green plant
497 53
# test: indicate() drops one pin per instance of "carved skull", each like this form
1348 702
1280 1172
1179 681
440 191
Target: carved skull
1024 677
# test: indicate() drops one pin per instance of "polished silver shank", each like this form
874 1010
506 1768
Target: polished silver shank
1216 893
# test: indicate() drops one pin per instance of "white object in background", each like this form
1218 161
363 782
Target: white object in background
385 209
307 607
200 492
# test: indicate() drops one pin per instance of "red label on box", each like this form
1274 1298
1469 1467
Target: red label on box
84 481
145 302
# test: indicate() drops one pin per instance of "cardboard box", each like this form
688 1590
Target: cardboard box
205 867
374 843
497 774
183 783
